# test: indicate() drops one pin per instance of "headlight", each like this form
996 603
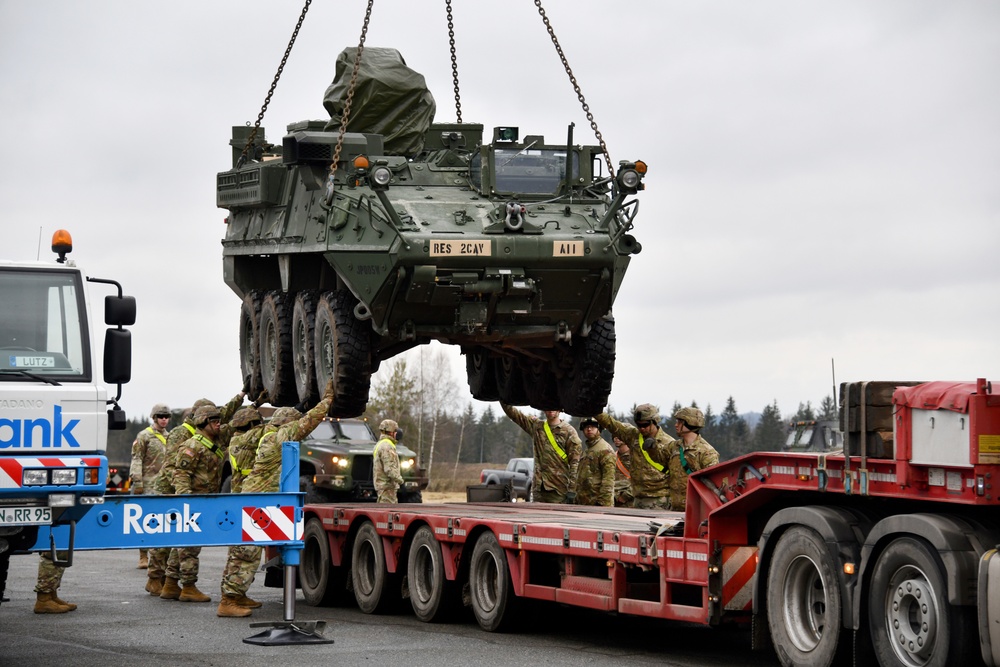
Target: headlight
630 176
35 478
380 177
341 462
64 476
406 464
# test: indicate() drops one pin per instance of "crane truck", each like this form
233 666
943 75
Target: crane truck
884 552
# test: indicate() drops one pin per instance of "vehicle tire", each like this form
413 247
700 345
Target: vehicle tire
375 590
411 497
804 605
276 375
4 566
531 493
306 486
540 386
586 388
491 590
227 485
249 341
481 372
432 596
510 386
910 620
343 353
303 363
322 584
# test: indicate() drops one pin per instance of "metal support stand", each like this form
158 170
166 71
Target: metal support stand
289 631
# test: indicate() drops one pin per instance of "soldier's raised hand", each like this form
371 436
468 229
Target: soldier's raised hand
328 392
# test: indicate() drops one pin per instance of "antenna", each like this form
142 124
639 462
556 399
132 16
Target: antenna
833 372
38 255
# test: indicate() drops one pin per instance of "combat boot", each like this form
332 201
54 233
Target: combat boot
249 603
170 589
55 596
45 603
154 585
190 593
143 562
229 608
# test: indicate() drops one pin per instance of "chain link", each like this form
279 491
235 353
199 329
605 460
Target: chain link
274 84
576 86
454 62
347 103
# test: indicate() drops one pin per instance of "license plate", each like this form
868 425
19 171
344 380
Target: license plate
25 516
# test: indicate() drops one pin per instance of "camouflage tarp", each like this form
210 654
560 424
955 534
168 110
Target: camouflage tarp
389 99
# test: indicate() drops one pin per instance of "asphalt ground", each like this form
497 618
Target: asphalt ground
118 623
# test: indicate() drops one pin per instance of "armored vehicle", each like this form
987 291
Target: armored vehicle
347 248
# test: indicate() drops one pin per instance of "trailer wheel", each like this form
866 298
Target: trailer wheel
586 389
373 586
431 594
490 587
480 370
275 330
343 353
510 386
910 620
322 584
249 340
803 600
303 359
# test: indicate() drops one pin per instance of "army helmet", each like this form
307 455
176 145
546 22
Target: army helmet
205 413
245 416
693 417
282 416
200 402
647 412
389 427
589 421
159 409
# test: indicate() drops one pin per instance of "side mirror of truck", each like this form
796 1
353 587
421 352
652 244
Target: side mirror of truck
117 420
118 354
119 311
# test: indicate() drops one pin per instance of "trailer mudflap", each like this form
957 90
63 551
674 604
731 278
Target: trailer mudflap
989 607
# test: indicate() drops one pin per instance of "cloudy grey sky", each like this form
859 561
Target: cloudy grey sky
824 176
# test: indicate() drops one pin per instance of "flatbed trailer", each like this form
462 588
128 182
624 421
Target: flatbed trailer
884 553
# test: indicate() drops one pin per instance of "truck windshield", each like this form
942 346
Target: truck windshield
532 171
43 330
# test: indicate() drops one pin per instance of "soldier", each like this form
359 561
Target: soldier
596 480
167 560
691 452
623 478
648 444
557 454
248 427
386 473
49 578
287 424
148 451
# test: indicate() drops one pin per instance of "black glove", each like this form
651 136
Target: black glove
571 498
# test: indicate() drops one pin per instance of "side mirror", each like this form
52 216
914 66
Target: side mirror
119 311
118 354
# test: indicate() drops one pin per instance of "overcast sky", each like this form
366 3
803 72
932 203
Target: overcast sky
824 177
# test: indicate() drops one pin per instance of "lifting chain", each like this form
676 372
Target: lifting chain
576 86
454 62
274 84
347 104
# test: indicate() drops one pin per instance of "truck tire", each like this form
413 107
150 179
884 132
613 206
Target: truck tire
306 486
490 588
249 341
432 596
375 590
303 359
276 375
322 584
510 385
411 497
343 353
585 390
910 620
540 386
480 370
804 606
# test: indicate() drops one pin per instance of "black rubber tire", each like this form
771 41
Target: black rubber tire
586 388
411 497
491 590
303 339
908 599
4 566
342 352
510 385
375 590
322 584
275 345
540 386
306 486
432 596
480 369
249 341
804 604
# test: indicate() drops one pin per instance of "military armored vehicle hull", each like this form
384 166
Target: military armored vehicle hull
513 250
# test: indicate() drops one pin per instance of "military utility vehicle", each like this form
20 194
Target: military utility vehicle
511 246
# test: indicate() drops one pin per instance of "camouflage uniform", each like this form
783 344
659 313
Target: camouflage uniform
49 574
623 480
647 463
385 472
555 473
596 481
264 477
687 458
147 458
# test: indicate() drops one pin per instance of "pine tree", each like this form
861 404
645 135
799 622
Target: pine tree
805 413
735 434
828 408
769 436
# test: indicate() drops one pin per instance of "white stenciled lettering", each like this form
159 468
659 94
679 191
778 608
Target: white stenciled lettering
135 521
